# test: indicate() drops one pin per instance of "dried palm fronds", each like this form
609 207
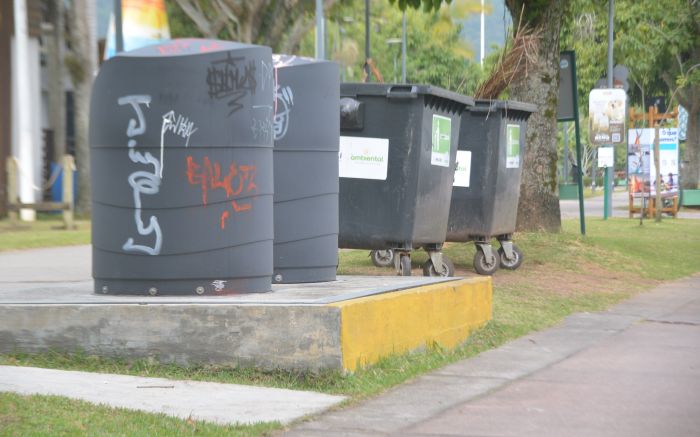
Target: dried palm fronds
515 61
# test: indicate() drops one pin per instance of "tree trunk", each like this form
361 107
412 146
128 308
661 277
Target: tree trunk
56 87
82 67
6 25
690 173
539 202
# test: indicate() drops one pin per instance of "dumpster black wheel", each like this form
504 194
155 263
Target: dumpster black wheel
382 258
484 266
405 265
511 264
446 270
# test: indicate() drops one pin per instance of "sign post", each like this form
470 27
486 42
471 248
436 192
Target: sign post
606 111
606 160
567 110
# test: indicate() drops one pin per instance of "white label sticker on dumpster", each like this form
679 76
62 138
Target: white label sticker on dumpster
363 158
441 139
464 168
513 146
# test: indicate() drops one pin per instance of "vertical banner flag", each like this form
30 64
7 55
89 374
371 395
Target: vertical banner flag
144 23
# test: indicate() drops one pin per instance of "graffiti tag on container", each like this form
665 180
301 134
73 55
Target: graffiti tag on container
239 181
231 78
142 182
263 128
284 100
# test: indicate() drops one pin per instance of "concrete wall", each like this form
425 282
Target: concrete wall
266 336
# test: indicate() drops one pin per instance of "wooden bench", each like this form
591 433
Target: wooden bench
14 205
650 209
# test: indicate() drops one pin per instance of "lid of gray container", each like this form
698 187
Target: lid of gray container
492 105
401 90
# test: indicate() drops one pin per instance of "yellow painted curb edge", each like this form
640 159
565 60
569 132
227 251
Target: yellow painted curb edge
392 323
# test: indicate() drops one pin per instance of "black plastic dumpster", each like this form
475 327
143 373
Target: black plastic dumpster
306 170
182 184
487 181
397 159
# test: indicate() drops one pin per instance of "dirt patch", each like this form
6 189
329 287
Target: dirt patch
589 277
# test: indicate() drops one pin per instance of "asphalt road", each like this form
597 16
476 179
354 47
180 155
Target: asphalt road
593 207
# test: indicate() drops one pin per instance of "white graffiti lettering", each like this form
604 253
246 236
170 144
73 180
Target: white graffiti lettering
142 182
180 126
219 285
266 71
263 128
284 100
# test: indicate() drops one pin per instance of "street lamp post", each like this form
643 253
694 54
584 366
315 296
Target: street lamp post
391 42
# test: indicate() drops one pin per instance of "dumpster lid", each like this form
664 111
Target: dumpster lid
185 47
508 105
403 90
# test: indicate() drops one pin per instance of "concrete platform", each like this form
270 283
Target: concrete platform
47 303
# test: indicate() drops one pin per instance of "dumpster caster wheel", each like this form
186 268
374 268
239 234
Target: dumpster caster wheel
404 265
382 258
485 266
446 270
511 264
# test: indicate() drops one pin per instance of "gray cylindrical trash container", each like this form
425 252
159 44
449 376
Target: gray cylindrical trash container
182 181
306 169
487 181
397 161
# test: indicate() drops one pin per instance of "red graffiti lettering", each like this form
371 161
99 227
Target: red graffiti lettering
239 208
209 177
224 216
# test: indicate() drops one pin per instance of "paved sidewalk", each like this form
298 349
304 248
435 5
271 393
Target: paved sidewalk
212 402
631 371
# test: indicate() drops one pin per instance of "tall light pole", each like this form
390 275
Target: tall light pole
483 34
320 31
367 54
403 48
391 42
118 26
609 170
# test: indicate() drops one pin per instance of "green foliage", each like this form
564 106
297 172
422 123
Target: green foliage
435 53
181 26
428 5
657 41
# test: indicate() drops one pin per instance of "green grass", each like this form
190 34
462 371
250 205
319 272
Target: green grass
45 232
563 273
57 416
